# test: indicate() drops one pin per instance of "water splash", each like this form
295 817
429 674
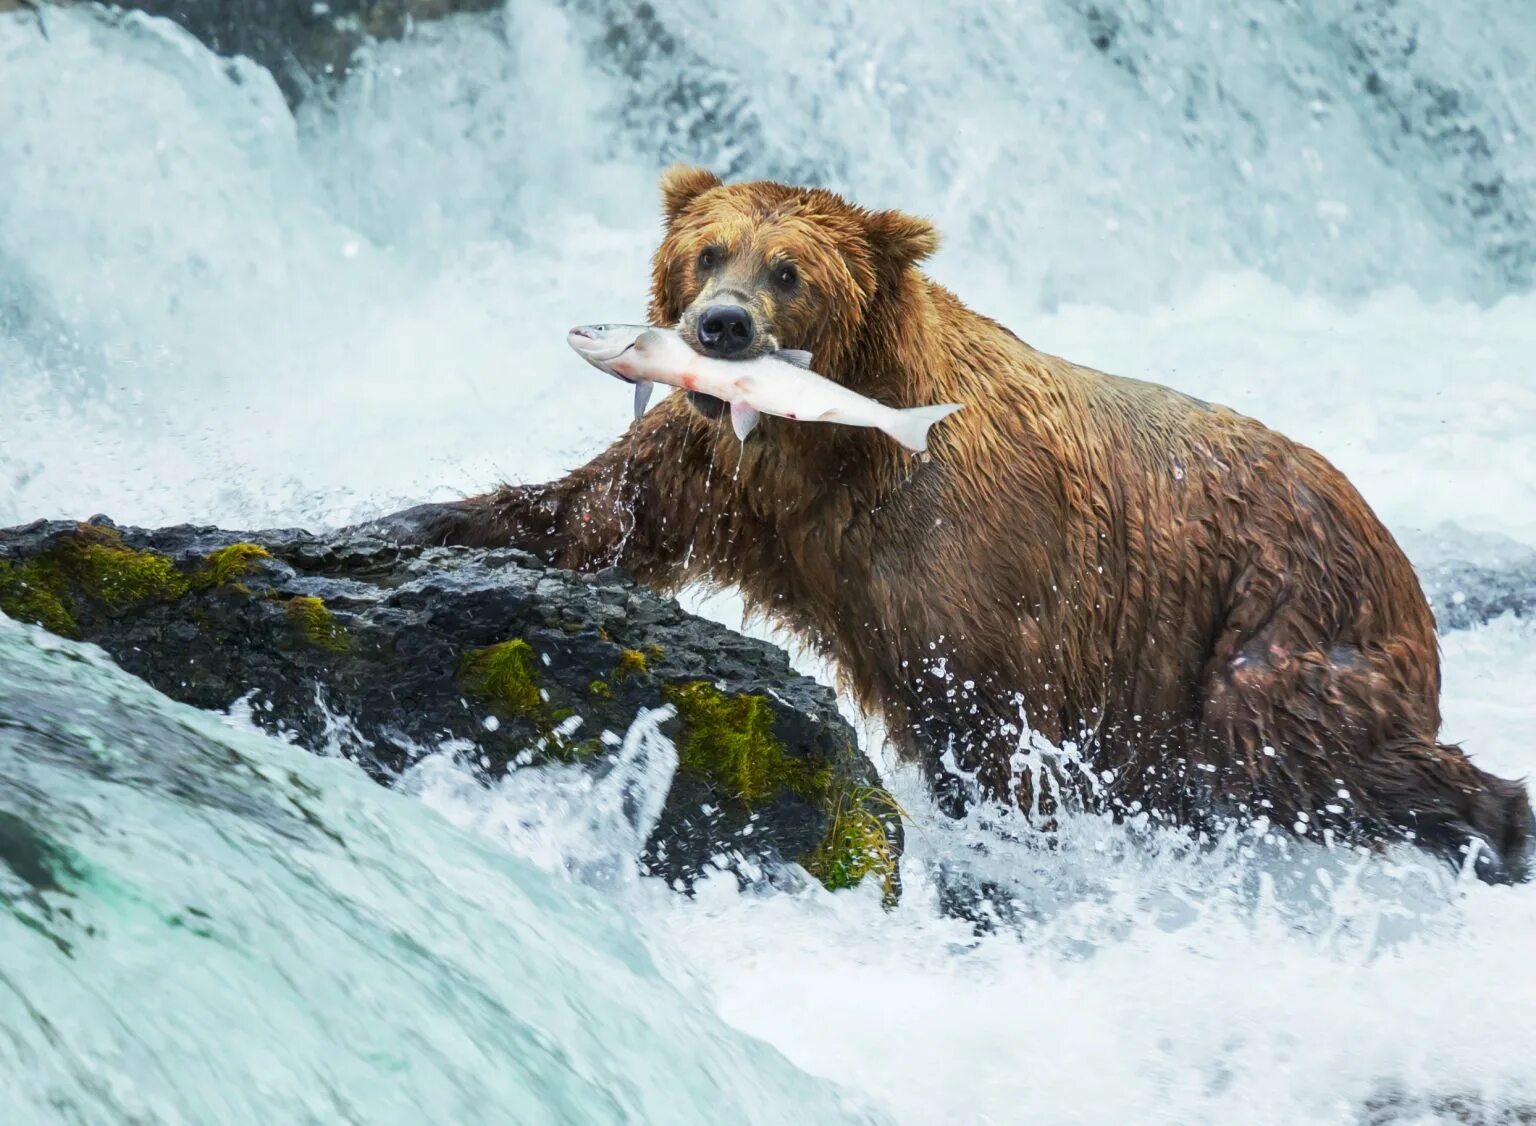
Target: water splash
591 824
203 924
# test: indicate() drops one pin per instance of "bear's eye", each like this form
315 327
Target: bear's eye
786 276
709 258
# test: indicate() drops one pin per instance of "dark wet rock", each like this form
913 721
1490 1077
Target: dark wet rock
1471 578
1465 594
303 43
383 653
683 103
1394 1106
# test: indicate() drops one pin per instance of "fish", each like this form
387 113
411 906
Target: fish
781 384
601 345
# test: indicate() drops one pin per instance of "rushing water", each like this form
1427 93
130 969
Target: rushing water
1323 214
202 924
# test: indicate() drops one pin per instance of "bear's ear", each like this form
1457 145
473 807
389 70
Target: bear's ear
681 185
900 239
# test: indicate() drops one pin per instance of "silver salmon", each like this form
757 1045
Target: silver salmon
780 384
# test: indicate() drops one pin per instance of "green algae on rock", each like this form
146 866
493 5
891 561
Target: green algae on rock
505 675
88 564
226 566
729 740
314 620
117 576
632 662
32 593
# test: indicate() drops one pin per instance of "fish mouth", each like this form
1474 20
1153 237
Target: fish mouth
588 344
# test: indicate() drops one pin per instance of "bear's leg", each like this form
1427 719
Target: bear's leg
1343 742
642 504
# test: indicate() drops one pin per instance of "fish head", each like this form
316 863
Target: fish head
602 345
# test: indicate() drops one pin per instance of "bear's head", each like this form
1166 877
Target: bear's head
746 269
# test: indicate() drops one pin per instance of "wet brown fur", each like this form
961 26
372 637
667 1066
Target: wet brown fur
1208 610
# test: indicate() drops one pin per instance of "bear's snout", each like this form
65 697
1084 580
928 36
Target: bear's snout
725 330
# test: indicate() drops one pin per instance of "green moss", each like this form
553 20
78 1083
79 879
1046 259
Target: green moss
506 675
729 740
317 624
228 565
121 576
33 592
90 566
631 663
857 844
599 690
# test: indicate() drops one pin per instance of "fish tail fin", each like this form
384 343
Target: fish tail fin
910 426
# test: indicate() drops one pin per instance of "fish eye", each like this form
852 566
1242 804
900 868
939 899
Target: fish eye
709 258
786 275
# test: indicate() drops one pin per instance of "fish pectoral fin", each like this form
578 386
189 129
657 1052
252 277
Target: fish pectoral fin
642 396
743 420
797 356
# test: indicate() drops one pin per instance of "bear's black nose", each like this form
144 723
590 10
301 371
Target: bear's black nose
725 329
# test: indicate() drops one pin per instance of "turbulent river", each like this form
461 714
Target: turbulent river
215 309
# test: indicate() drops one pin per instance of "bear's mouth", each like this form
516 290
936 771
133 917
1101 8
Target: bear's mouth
765 344
707 405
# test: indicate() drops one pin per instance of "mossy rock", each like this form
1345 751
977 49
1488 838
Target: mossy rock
505 675
632 662
105 571
32 592
317 625
350 644
88 568
228 566
729 742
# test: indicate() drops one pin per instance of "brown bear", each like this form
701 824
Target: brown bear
1206 615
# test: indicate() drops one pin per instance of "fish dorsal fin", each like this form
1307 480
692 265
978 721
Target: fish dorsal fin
642 396
743 420
797 356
